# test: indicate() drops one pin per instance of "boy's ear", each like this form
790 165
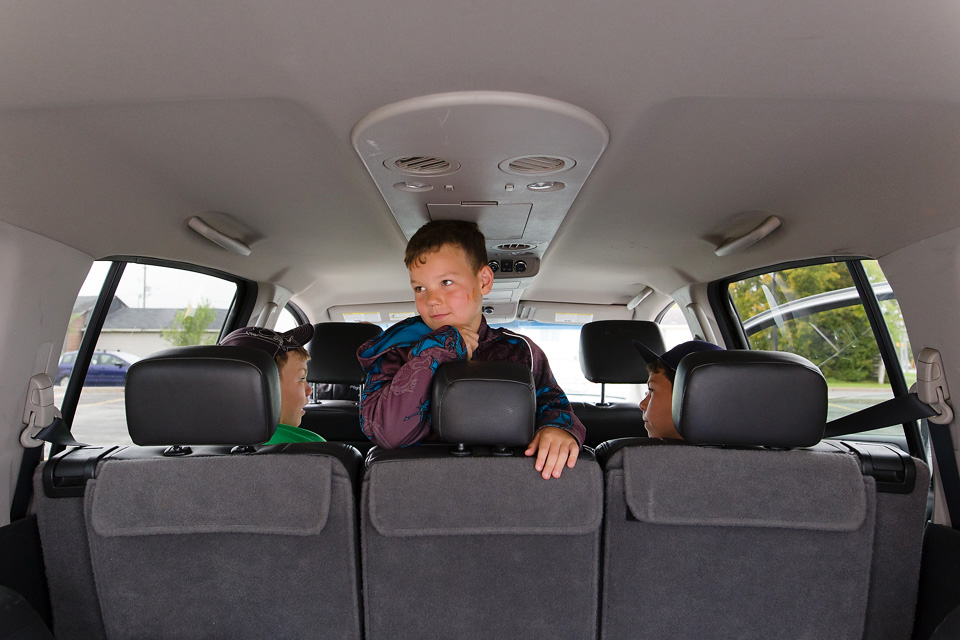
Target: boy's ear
486 279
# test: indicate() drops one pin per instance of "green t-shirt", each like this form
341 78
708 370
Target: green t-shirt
285 434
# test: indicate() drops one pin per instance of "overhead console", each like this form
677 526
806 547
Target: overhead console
511 162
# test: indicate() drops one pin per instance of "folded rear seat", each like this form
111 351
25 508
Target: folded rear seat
333 360
468 540
607 356
201 533
749 530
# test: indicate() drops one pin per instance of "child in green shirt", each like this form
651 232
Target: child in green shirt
291 358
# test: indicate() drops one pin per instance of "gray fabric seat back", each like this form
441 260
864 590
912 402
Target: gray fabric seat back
209 539
468 541
723 541
607 356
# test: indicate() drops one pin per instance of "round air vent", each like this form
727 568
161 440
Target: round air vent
536 165
421 166
515 246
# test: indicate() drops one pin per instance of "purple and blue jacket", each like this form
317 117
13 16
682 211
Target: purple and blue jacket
401 361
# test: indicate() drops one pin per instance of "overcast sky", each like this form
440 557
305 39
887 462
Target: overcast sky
166 288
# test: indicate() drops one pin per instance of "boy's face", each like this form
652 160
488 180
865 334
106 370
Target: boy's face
658 407
294 389
447 290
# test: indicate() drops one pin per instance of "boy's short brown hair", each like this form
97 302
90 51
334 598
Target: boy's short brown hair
436 233
282 357
658 367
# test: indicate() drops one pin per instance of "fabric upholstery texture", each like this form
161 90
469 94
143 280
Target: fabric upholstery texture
427 497
897 550
66 560
804 574
738 488
221 567
162 507
504 554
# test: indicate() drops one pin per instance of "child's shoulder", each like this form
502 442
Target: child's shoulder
402 336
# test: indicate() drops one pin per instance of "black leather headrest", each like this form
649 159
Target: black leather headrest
749 398
607 353
486 403
212 395
333 351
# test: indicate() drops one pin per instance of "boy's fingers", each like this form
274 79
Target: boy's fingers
561 461
552 456
532 447
574 454
542 452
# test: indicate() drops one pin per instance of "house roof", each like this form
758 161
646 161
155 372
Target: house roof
132 319
86 303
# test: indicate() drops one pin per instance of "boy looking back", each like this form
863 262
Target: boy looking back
447 260
287 350
657 405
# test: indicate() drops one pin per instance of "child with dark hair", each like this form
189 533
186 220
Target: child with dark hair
657 405
447 260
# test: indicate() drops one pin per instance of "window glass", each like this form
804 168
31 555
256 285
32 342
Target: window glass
893 318
154 308
561 344
674 326
286 320
816 312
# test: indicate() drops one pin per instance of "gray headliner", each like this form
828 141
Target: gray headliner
120 120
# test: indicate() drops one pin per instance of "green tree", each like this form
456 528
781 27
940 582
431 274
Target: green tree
189 326
839 341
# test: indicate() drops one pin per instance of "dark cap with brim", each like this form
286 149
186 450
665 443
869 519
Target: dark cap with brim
671 359
268 340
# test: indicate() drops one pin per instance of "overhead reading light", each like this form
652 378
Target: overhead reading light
415 187
548 185
218 237
758 233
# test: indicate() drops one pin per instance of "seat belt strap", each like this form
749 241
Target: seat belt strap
905 408
942 445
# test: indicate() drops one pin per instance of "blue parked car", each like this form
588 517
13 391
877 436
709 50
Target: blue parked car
107 369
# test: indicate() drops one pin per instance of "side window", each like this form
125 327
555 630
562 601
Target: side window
154 308
817 312
674 326
287 319
561 344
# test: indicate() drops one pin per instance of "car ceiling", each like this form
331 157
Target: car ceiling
121 120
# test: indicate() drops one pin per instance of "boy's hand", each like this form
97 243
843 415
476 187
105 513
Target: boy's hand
556 447
470 338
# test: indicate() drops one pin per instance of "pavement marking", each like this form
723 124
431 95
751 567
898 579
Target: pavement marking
841 406
94 404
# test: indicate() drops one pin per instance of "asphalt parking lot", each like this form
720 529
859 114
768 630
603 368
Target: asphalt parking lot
101 416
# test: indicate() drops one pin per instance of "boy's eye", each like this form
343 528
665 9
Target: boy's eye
418 289
446 283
